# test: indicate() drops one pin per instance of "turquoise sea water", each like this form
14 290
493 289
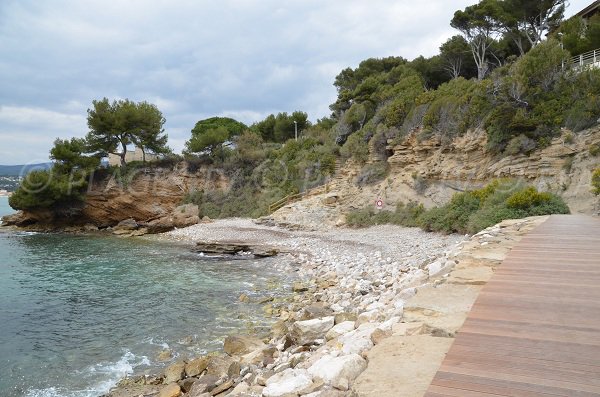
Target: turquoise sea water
79 312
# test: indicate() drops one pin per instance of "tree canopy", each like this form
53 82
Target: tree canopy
232 126
114 125
208 141
579 36
281 127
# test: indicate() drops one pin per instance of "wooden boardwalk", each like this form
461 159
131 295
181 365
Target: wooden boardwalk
534 329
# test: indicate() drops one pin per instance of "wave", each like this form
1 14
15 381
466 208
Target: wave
106 377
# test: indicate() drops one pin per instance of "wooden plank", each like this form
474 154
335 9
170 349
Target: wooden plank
534 329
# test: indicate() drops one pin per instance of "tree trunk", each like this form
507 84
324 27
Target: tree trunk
143 155
123 154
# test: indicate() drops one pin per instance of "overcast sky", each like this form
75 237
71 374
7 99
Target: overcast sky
192 58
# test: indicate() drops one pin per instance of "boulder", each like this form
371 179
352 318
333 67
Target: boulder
174 372
241 345
340 329
196 366
334 369
259 356
379 334
341 317
326 393
299 286
89 227
165 355
232 248
234 369
316 310
358 340
127 225
172 390
306 332
219 365
20 219
368 317
204 384
222 387
160 225
186 384
290 381
186 215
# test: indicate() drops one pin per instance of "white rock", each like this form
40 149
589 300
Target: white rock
287 382
375 306
358 340
407 293
389 324
333 369
340 329
305 332
368 317
399 307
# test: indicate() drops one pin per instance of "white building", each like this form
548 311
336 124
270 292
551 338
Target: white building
133 154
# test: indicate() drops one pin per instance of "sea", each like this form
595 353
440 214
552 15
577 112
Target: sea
80 312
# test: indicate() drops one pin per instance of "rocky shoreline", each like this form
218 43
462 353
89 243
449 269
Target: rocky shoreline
372 314
351 295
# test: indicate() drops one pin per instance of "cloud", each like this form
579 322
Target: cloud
192 58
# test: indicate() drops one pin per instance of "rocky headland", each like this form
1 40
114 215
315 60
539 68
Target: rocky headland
372 312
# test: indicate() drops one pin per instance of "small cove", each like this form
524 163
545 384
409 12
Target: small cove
79 312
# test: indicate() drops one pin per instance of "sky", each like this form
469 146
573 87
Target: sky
194 59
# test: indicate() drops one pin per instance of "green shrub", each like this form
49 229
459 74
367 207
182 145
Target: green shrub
372 173
520 144
194 197
408 214
526 198
453 217
357 147
48 189
594 149
367 217
568 164
419 183
491 215
583 114
472 211
596 182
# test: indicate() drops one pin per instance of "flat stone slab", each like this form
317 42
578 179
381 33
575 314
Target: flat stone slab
402 366
233 248
444 307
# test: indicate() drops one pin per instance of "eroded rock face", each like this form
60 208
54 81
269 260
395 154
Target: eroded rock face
431 171
150 196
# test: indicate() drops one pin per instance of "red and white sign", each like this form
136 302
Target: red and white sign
379 203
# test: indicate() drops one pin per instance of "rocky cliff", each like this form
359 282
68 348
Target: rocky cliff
430 171
149 196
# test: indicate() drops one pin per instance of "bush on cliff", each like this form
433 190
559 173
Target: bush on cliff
63 184
468 212
47 189
596 182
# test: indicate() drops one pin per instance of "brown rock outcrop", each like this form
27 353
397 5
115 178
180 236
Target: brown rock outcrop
152 197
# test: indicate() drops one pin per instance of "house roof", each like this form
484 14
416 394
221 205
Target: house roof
590 10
